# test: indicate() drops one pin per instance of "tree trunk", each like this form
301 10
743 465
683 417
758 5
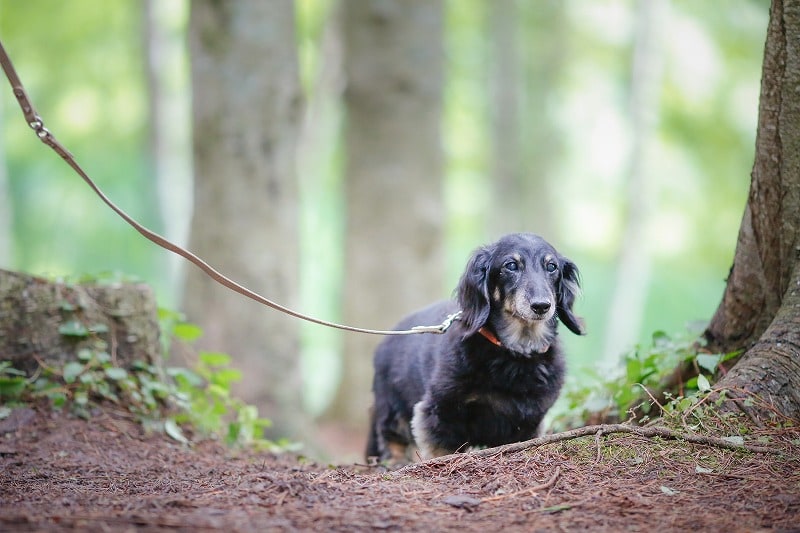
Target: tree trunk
169 136
393 64
505 118
760 309
246 107
526 59
43 322
629 295
6 213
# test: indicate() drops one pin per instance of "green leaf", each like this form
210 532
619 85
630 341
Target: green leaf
174 431
98 328
191 378
7 369
187 332
169 314
73 328
708 362
248 414
11 388
90 378
227 376
660 337
234 431
71 371
58 399
85 355
116 373
218 391
731 355
81 398
215 358
702 383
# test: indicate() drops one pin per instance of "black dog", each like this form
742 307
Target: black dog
490 379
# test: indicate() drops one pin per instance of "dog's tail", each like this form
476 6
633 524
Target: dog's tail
372 438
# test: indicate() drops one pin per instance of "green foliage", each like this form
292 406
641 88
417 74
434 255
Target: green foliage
12 382
204 394
174 398
644 370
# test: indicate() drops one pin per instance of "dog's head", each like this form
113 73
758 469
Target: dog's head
518 286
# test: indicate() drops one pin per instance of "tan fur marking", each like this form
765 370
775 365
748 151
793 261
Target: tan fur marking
398 452
427 450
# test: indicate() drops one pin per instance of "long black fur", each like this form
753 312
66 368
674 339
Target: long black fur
444 393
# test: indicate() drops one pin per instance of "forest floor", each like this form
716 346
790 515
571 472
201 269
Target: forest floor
59 472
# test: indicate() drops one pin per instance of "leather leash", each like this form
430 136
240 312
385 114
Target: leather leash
36 123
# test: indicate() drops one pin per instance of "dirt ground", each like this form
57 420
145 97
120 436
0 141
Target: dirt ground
107 474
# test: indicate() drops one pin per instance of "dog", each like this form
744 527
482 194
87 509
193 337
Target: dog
492 376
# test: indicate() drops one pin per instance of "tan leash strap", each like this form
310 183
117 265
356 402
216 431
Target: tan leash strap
37 124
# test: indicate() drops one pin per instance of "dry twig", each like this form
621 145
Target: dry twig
544 486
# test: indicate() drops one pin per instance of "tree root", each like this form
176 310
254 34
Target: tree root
598 430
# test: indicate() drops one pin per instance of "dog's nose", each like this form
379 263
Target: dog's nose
540 307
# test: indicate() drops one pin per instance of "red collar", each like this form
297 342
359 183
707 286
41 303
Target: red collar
490 337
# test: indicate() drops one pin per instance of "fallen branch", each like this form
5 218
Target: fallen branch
603 429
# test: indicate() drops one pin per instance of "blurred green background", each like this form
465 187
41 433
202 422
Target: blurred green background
84 64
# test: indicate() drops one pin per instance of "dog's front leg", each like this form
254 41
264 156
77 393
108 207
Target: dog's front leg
421 425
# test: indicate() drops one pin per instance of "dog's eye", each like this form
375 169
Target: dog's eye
551 267
511 266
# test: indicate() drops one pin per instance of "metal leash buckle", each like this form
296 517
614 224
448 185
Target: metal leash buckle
441 328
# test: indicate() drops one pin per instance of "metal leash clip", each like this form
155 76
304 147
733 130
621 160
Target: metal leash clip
441 328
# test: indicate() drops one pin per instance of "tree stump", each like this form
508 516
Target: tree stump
48 323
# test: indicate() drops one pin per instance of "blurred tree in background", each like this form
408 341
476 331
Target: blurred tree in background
538 129
392 58
246 102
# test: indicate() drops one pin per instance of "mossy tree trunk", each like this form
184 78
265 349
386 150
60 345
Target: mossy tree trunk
46 323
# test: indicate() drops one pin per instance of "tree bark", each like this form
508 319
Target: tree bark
393 64
760 309
246 109
44 322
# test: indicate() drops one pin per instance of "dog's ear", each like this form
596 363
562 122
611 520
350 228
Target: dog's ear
569 287
472 292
